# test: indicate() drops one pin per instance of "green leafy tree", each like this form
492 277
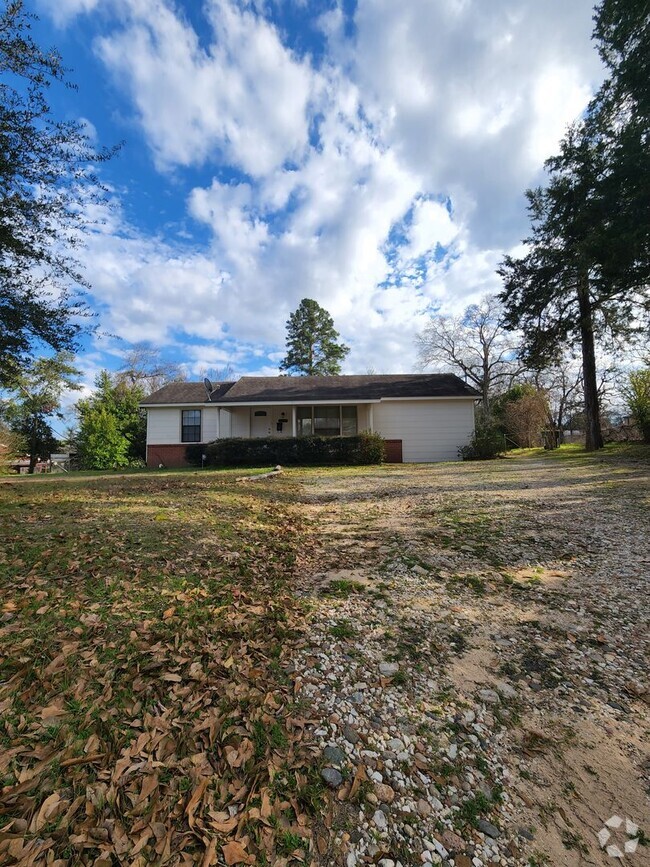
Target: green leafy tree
119 399
585 278
101 444
637 394
313 347
45 184
35 394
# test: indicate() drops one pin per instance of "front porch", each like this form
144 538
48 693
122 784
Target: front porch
284 421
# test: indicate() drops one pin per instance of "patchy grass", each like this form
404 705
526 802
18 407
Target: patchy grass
144 704
342 588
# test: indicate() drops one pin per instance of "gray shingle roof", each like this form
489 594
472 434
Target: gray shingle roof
292 389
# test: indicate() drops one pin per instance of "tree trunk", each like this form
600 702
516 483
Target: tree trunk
485 385
33 446
593 434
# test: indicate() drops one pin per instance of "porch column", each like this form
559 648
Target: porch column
218 423
294 422
371 418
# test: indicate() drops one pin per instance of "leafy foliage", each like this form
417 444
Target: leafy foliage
637 393
101 445
487 441
365 448
45 183
312 342
113 428
35 397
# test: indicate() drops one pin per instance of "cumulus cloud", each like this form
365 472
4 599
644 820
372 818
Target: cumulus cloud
384 179
243 99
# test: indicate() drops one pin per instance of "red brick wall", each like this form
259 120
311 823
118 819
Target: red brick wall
393 451
169 456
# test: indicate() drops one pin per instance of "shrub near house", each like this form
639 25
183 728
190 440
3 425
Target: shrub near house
366 448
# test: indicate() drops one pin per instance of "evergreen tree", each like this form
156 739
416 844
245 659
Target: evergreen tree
312 342
44 185
101 444
585 277
119 400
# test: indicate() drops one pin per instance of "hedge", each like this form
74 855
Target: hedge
365 448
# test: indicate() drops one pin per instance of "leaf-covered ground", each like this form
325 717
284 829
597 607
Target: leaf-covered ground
176 650
145 715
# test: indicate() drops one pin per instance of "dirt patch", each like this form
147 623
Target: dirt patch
510 594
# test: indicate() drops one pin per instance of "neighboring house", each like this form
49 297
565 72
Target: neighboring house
423 417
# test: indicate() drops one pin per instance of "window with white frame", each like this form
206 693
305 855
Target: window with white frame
191 426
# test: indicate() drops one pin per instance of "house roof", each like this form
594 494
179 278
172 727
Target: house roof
185 392
295 389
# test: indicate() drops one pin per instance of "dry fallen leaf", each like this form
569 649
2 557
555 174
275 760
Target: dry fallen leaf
234 853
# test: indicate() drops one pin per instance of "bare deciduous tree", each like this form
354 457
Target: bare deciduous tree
475 344
143 366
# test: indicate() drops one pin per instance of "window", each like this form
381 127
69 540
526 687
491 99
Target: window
349 421
326 421
191 426
304 421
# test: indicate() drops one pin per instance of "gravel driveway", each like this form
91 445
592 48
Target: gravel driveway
476 666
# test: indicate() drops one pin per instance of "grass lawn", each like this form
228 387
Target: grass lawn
145 714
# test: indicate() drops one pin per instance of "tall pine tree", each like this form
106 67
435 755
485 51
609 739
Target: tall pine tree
313 347
585 277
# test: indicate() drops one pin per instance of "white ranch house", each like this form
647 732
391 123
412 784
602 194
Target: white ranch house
423 417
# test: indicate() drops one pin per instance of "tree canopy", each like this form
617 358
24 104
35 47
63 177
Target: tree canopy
313 347
45 183
585 277
35 395
112 427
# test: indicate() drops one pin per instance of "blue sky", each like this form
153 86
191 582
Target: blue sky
370 154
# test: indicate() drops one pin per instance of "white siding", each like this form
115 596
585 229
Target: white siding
363 417
241 422
164 424
430 430
225 424
209 424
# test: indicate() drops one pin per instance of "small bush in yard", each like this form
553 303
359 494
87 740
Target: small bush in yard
486 443
365 448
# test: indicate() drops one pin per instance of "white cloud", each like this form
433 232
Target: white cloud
387 178
242 99
61 11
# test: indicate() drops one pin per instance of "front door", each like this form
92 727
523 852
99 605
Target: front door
260 423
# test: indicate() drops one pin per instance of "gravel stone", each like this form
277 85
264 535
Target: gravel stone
332 777
388 669
379 820
334 755
488 828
